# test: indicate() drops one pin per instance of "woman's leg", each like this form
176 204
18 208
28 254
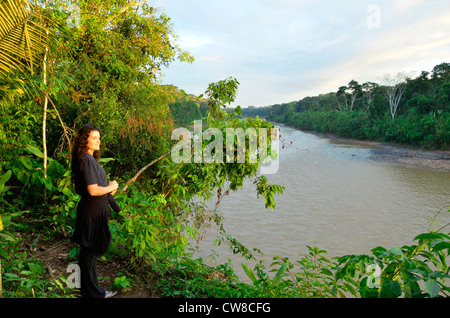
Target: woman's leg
89 279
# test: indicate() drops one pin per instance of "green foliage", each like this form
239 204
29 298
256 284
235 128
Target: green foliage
401 269
221 94
309 277
191 278
106 72
428 131
3 179
157 225
122 283
149 230
157 217
416 271
267 191
187 107
185 112
362 112
18 128
22 275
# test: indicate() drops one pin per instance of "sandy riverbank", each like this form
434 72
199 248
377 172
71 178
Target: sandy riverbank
417 157
429 159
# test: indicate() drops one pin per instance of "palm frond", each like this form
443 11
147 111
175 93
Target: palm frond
23 36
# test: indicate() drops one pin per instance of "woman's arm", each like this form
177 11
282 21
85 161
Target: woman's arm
95 190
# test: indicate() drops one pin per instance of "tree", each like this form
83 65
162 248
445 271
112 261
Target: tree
441 72
442 97
355 91
114 59
221 94
27 33
368 91
341 95
349 94
393 88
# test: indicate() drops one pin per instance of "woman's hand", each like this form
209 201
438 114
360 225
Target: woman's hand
95 190
114 185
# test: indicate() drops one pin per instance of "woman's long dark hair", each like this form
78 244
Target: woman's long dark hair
79 147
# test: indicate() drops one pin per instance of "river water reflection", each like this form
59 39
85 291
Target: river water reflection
336 198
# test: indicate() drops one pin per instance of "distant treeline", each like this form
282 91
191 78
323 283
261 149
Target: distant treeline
400 109
184 111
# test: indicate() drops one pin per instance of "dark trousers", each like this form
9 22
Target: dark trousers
87 262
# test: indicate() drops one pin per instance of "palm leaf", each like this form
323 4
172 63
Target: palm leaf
23 37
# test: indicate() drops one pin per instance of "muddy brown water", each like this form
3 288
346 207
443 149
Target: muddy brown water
340 196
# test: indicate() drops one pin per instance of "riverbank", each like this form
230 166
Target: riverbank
397 154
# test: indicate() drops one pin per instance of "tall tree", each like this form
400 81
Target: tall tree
348 94
355 91
393 88
441 72
368 91
342 96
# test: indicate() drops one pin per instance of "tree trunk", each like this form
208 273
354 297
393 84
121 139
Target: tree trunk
393 90
44 117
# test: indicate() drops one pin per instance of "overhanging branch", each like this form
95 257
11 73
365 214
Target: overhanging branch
142 170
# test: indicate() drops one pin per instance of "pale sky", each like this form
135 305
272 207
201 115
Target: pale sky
285 50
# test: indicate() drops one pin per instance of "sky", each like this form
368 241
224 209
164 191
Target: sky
284 50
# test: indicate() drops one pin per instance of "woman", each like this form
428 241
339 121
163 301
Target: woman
91 228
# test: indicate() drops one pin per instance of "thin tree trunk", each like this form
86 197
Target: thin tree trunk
59 117
44 117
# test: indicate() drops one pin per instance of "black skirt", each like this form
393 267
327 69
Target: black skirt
91 226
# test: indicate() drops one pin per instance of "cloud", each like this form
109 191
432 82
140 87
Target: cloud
402 5
189 41
285 50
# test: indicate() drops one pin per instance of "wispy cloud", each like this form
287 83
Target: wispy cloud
288 49
189 41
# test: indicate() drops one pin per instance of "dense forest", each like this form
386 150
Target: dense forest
400 109
64 65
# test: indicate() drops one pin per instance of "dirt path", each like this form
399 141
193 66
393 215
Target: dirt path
55 258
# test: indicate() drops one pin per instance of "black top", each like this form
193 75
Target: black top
91 228
91 173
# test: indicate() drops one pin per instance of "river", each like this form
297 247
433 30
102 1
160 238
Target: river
337 197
